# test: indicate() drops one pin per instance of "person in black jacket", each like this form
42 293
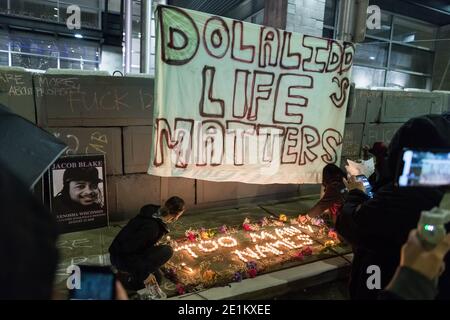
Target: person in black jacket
28 252
334 193
378 227
135 250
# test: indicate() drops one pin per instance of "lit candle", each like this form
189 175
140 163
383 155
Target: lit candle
186 247
227 242
202 244
184 266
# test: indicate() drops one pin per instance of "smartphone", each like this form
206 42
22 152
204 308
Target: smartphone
424 168
96 283
366 184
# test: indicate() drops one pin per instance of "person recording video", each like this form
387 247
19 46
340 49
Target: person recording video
333 197
378 227
415 277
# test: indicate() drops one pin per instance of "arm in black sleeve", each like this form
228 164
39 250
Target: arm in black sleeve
410 285
144 236
346 222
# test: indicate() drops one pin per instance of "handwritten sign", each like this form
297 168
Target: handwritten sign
242 102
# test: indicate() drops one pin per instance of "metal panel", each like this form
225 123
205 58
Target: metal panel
107 141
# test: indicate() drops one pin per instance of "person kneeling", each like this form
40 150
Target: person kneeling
135 250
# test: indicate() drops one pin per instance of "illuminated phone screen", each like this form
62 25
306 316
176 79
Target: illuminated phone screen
425 168
366 184
96 284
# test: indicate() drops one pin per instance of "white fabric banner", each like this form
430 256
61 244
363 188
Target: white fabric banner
236 101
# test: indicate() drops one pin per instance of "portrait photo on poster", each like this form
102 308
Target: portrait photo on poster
78 192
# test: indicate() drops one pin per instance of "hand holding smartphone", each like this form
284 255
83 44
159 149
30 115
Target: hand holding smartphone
97 283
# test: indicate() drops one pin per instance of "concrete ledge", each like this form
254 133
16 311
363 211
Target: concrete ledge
274 284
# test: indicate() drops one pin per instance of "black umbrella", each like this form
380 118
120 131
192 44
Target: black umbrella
25 149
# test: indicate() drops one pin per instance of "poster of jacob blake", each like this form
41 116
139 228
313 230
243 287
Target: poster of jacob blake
78 192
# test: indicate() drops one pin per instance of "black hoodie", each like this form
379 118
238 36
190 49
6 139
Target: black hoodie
141 233
378 227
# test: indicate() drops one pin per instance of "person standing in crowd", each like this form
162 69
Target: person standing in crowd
378 227
379 151
135 251
28 252
333 197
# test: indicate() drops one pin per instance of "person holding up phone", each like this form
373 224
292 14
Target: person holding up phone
333 197
136 252
415 278
378 227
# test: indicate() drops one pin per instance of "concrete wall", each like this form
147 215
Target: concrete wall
123 133
375 115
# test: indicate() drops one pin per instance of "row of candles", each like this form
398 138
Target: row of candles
282 238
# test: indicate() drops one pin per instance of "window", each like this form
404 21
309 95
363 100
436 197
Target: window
385 30
372 53
257 17
40 52
405 80
368 77
411 59
4 60
33 62
329 19
399 54
55 10
415 33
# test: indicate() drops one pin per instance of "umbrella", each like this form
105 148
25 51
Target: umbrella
25 149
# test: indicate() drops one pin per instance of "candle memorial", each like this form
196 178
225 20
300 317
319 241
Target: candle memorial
215 257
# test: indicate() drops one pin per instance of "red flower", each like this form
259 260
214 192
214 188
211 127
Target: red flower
299 256
332 234
247 227
252 273
180 289
307 251
192 237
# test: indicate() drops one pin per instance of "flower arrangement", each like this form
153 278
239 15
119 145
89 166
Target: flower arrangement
180 289
307 251
237 277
